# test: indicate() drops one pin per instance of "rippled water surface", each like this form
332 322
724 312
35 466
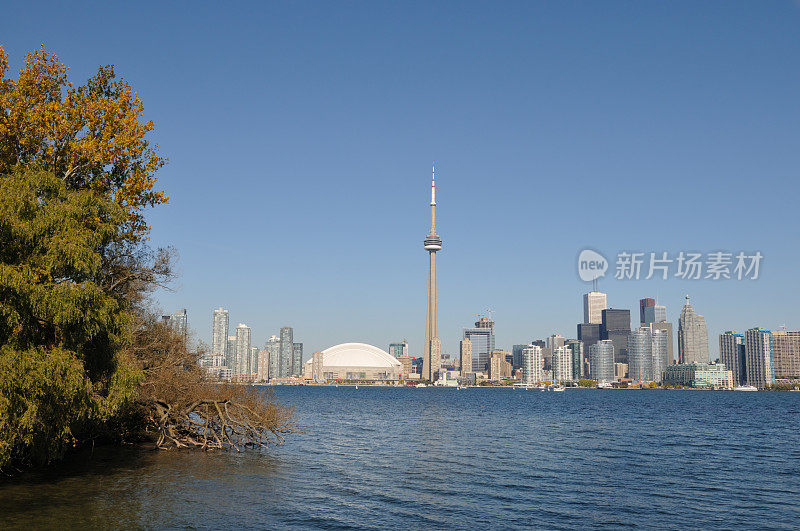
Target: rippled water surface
443 458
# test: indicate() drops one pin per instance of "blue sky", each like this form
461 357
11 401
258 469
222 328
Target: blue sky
300 138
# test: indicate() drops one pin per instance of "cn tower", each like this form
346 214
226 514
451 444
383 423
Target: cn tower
431 361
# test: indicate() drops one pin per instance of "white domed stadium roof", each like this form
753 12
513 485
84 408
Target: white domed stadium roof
357 355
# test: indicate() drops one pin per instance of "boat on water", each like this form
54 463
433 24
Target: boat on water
559 389
420 385
745 388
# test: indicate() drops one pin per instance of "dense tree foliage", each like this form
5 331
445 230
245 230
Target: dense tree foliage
81 357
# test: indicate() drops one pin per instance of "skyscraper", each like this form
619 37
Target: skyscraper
242 349
532 364
589 334
482 338
553 342
297 359
594 303
640 355
616 326
252 361
759 357
230 354
786 346
433 243
287 352
643 304
562 364
601 361
466 356
666 328
732 354
219 333
692 336
576 348
273 348
660 353
179 322
516 355
262 374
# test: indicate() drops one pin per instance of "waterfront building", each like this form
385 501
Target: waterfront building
660 353
273 348
287 351
702 375
219 333
640 355
553 342
466 355
516 355
532 364
562 364
620 371
759 357
406 364
482 338
432 345
594 303
616 327
732 354
297 359
578 359
786 348
399 349
692 336
252 362
601 361
230 354
242 349
353 361
666 328
262 373
589 334
317 366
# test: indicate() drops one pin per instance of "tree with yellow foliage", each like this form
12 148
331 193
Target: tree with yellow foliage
81 357
91 137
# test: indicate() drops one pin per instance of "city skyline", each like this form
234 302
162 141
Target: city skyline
255 218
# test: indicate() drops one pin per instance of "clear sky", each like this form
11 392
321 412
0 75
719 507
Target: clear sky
300 138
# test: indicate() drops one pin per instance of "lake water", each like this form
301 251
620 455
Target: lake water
444 458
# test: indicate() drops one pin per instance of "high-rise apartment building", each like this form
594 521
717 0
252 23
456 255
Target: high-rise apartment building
242 349
219 333
252 361
594 303
616 327
297 359
578 358
466 356
786 348
498 366
660 353
178 321
230 354
482 338
692 336
759 357
666 328
516 355
273 348
262 373
732 354
287 351
601 361
562 364
532 364
640 355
